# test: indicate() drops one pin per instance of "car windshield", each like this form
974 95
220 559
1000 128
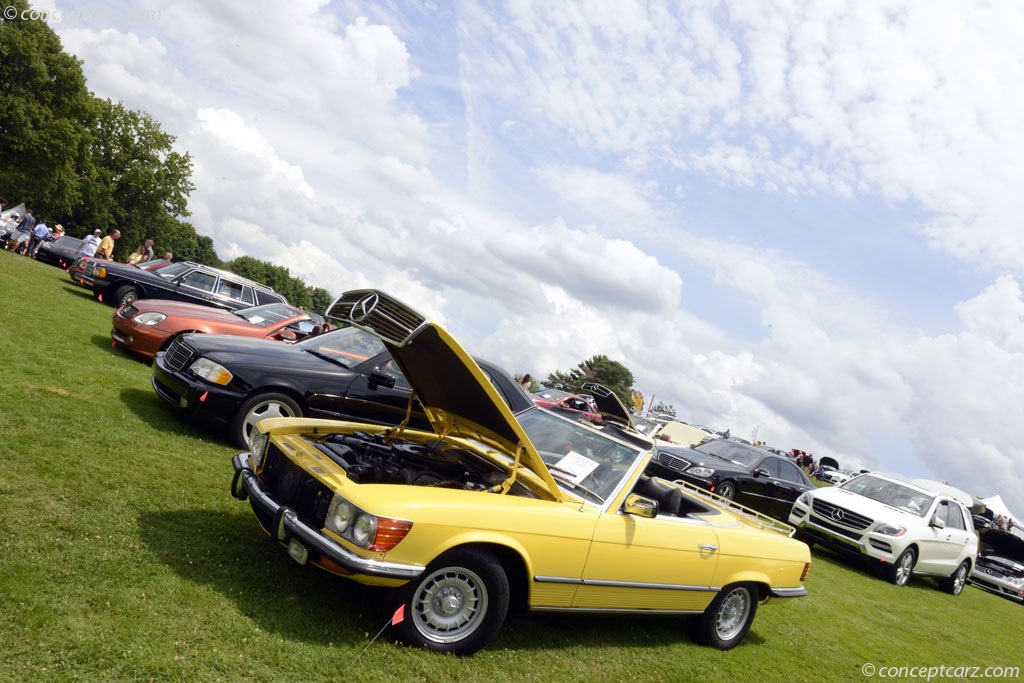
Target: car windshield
347 346
892 493
172 271
268 314
583 461
731 451
551 394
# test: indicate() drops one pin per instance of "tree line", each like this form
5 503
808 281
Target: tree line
87 162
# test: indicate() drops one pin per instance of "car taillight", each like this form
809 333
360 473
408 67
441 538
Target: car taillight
807 569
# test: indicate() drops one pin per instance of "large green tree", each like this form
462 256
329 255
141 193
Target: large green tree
79 160
137 182
45 118
600 369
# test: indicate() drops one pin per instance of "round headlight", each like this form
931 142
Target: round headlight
340 516
365 530
258 446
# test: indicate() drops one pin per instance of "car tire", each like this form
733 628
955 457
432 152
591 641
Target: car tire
727 490
903 568
124 294
954 585
257 408
457 605
726 621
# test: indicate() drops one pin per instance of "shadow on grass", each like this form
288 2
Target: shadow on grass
872 568
153 410
78 290
230 554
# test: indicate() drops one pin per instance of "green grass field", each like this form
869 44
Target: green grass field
124 557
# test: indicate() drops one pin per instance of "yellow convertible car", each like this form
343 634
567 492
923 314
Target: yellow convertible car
494 511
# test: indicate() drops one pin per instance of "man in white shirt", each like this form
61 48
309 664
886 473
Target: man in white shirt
89 244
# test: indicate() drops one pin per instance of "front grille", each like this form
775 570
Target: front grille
855 535
673 461
179 355
840 515
128 311
291 486
388 318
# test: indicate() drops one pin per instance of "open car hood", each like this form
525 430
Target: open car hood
1002 543
456 395
609 405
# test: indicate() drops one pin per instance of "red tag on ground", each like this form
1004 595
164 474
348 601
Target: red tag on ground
399 616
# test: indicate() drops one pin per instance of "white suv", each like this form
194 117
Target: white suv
920 528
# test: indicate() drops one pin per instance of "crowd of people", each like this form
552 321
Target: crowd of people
24 233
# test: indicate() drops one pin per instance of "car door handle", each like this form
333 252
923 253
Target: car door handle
708 547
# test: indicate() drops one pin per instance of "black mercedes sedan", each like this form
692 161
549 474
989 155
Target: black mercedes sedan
59 252
747 474
120 283
234 382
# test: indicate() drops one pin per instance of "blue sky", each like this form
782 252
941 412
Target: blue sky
795 217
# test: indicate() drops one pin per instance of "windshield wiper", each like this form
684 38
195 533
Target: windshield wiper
325 356
561 475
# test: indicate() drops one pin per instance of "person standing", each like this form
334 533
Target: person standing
40 233
89 244
106 248
147 254
25 226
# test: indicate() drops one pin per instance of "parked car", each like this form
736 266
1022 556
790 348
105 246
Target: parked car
120 283
912 528
83 276
233 382
747 474
59 252
1000 565
148 325
491 508
566 403
836 475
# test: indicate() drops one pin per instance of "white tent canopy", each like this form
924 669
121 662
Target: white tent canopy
998 507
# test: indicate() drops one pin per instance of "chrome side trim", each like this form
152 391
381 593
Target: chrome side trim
798 592
598 610
626 584
290 526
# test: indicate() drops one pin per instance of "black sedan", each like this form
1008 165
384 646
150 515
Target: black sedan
234 382
59 252
747 474
120 283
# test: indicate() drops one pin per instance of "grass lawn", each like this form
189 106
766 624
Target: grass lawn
124 557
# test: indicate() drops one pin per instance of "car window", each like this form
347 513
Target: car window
391 370
770 465
891 493
199 280
578 456
790 472
173 270
269 315
730 451
576 403
346 346
233 290
950 514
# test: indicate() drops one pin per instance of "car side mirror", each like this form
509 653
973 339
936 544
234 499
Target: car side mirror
937 523
286 335
640 506
377 378
762 472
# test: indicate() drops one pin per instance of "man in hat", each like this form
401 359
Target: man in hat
89 244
